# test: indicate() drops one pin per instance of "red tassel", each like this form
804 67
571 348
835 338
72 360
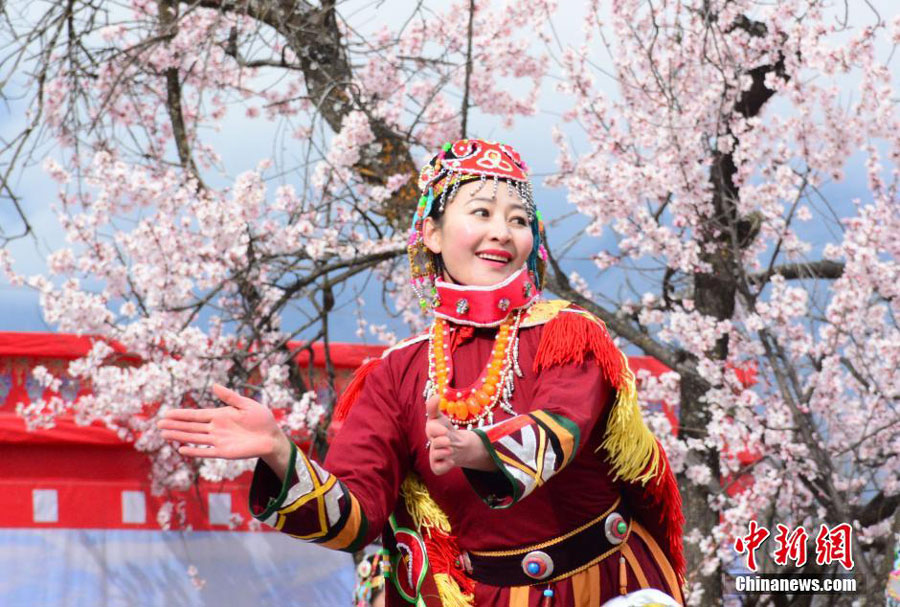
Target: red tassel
570 336
443 555
664 494
351 393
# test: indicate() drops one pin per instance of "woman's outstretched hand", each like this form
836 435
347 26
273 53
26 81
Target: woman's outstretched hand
450 447
242 429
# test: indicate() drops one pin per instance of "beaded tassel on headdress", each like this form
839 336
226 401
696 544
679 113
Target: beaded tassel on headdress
421 260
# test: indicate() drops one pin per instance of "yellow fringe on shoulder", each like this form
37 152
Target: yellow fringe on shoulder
632 448
427 515
424 511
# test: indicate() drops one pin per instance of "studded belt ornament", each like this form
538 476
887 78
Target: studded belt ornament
615 528
537 565
555 558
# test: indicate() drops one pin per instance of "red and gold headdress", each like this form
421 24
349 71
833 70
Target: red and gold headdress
458 163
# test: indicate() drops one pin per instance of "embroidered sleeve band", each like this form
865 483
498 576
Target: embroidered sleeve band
310 504
528 449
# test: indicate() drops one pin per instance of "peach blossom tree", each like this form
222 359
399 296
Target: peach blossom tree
701 145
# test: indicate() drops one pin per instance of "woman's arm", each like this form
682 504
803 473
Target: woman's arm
530 448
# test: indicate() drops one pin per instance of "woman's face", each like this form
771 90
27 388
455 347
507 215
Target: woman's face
482 238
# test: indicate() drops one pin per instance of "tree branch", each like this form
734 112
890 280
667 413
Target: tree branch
676 360
465 100
168 26
794 271
313 34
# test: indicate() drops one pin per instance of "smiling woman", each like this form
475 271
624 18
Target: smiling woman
501 454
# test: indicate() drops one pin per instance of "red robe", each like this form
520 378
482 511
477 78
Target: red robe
552 475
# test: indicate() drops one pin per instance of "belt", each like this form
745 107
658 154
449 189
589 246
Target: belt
553 559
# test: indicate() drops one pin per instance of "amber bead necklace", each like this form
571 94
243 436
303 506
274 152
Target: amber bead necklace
473 406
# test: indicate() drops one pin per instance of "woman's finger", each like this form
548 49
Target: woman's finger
440 443
199 451
190 415
434 430
432 409
173 424
188 437
442 456
230 397
441 468
441 450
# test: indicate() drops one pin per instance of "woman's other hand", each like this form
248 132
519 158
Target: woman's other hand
450 447
241 429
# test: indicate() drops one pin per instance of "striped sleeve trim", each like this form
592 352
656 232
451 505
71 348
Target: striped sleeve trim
528 449
310 504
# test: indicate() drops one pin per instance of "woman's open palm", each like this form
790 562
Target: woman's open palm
244 428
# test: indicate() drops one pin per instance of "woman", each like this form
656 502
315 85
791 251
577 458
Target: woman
501 454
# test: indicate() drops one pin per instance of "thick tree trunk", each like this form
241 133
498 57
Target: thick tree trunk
723 237
312 33
699 516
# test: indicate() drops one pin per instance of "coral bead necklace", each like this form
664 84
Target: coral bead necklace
473 406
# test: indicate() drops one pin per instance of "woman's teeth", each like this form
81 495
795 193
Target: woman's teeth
493 258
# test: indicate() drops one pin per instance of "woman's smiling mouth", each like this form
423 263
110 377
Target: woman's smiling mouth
495 257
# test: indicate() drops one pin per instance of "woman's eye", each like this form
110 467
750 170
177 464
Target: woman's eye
520 221
481 212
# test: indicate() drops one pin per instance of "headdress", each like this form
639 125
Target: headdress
458 163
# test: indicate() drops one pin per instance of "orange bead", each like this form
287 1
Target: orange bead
473 405
462 411
489 388
445 405
493 376
483 399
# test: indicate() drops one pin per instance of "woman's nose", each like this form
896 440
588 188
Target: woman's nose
500 229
